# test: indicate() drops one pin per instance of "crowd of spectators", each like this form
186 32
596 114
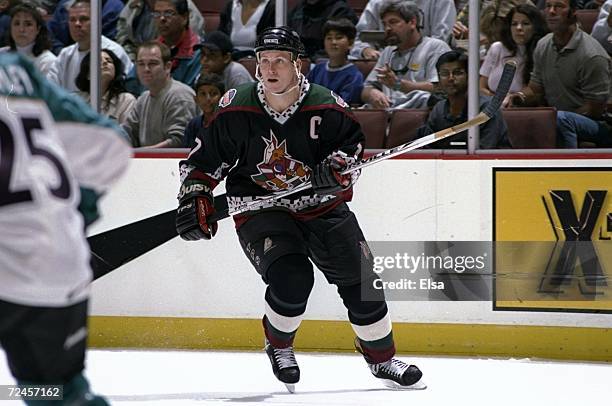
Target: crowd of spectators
163 68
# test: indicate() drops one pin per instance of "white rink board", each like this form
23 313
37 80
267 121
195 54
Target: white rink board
396 200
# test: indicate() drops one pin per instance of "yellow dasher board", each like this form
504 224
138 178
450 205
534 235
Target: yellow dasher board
552 229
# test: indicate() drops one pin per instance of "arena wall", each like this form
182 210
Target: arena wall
205 295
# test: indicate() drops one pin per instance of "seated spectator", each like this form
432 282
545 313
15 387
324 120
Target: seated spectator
68 63
406 70
208 91
29 37
172 22
438 20
523 28
216 57
136 25
492 14
58 24
5 19
160 114
116 102
243 21
308 17
452 69
571 71
602 30
338 74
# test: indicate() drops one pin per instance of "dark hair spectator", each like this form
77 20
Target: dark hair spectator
341 25
208 91
258 15
58 24
116 101
523 27
308 17
28 35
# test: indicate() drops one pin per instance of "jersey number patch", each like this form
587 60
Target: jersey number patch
7 161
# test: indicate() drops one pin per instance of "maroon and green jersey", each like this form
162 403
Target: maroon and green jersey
261 151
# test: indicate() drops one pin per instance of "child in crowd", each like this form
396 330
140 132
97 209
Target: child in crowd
216 57
338 74
209 88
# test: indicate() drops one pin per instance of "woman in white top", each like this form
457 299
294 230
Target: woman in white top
116 102
523 27
243 21
29 36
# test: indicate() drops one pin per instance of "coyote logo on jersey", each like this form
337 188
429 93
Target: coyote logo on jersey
278 171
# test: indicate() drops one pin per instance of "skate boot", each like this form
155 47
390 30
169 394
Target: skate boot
394 373
284 365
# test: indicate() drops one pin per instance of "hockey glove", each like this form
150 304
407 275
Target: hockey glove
195 208
327 178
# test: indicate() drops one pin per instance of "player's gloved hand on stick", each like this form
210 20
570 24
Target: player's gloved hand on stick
327 178
195 208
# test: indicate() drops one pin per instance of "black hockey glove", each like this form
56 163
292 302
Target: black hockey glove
326 177
195 208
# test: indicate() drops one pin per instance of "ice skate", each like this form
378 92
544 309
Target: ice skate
284 365
395 374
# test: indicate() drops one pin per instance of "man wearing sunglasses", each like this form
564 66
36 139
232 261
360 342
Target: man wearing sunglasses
405 72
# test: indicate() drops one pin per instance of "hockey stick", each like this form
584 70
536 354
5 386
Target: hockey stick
116 247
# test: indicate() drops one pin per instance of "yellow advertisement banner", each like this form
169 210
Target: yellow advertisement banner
553 233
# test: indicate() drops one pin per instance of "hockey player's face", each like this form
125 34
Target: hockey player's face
24 28
453 78
277 70
79 17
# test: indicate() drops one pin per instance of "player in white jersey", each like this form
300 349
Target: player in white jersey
56 157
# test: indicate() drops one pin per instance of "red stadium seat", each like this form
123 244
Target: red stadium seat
364 66
587 19
374 126
531 127
211 21
210 6
250 64
358 5
404 123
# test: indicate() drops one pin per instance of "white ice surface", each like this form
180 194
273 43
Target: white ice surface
245 378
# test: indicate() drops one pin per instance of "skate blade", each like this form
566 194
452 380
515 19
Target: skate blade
290 387
420 385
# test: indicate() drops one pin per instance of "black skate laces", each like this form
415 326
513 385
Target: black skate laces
284 357
393 367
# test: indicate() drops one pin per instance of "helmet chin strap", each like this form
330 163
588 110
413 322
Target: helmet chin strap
260 78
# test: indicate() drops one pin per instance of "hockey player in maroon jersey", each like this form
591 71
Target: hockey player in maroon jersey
269 137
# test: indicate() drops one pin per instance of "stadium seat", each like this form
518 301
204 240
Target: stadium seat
250 64
358 5
211 21
403 126
374 126
210 6
587 19
364 66
531 127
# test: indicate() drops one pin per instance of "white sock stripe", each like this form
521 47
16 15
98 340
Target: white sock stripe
374 331
283 323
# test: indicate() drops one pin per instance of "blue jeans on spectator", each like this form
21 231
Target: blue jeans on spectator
573 128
